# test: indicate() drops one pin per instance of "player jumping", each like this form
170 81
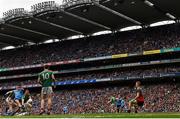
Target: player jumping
46 79
138 101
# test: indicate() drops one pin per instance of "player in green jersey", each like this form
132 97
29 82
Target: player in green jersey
27 101
46 79
112 101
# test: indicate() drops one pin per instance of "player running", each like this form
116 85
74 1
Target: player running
120 104
46 79
112 102
18 96
138 101
65 109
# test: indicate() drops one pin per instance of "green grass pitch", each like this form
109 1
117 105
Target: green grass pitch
120 115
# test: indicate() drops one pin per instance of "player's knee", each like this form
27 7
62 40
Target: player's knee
49 97
42 97
30 106
8 103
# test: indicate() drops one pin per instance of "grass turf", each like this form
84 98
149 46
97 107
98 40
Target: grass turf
121 115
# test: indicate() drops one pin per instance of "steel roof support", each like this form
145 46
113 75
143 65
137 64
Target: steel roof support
117 13
4 43
15 37
56 25
158 9
85 20
28 30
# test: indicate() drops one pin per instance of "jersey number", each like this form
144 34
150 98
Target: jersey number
46 76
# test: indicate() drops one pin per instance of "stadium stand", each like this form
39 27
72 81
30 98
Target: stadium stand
127 42
92 69
90 100
98 75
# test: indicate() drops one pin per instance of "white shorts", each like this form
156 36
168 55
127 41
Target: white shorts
47 90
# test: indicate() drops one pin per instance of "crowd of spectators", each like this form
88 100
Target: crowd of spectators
158 98
123 73
124 42
154 72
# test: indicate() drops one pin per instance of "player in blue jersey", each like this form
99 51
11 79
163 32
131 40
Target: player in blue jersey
120 104
65 109
18 96
14 99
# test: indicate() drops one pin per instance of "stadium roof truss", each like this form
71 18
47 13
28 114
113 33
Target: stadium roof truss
49 20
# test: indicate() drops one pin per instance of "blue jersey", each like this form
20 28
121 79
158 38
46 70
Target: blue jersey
18 94
120 102
65 109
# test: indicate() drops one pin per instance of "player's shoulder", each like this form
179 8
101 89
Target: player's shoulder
50 70
139 88
41 72
44 71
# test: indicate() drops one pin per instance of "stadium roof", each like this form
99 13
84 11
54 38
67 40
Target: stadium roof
48 20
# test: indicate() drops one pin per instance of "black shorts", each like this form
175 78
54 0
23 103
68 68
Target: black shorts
140 104
120 106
